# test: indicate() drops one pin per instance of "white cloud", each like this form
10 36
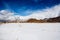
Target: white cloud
5 14
45 13
37 14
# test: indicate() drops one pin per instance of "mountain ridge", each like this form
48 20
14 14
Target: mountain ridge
32 20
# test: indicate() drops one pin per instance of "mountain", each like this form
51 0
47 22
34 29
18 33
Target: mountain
36 21
32 20
55 19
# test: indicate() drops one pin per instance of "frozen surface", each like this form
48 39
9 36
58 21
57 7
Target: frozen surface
30 31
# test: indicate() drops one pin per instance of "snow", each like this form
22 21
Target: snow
30 31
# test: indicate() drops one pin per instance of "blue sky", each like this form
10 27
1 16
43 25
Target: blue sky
20 7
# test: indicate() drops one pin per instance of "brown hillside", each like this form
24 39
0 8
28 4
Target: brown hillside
36 21
56 19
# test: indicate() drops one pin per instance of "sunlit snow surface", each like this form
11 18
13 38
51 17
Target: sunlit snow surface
30 31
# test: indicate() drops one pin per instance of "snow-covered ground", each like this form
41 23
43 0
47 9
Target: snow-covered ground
30 31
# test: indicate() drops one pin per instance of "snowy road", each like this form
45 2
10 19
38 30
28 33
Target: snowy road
30 31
